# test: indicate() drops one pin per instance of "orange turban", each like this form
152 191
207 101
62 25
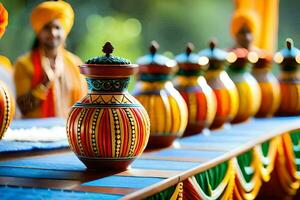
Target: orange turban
47 11
3 19
244 17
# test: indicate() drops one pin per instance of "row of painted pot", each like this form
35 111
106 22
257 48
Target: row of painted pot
109 128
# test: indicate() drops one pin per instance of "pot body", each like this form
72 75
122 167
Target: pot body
290 95
226 95
200 100
108 128
270 92
167 111
7 108
249 95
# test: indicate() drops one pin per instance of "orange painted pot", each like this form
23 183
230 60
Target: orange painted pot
7 108
268 83
290 96
199 97
108 128
270 92
222 86
226 95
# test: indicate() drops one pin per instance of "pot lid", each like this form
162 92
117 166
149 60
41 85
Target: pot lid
191 61
154 62
108 58
289 52
188 56
213 53
108 65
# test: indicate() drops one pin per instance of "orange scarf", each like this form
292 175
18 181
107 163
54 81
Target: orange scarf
48 104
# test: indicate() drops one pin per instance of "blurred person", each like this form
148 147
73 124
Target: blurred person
244 29
47 78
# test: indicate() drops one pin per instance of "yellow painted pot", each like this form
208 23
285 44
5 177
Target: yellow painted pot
166 108
248 89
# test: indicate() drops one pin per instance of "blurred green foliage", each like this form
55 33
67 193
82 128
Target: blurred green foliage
130 25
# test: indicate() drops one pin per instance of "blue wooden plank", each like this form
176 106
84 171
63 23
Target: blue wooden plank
217 138
69 162
65 161
163 165
182 153
24 193
203 143
38 173
124 182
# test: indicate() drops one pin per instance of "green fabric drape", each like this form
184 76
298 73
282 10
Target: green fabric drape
265 150
244 162
210 179
295 137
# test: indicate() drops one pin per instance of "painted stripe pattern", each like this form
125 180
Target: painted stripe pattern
226 95
118 132
270 93
249 96
270 99
290 99
201 103
7 108
167 110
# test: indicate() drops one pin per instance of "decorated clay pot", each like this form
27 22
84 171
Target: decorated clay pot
165 106
108 128
268 83
248 89
199 97
223 87
7 108
289 79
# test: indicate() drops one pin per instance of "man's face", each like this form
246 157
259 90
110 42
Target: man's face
52 35
244 37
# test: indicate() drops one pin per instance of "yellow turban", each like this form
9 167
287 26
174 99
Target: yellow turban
47 11
3 19
244 17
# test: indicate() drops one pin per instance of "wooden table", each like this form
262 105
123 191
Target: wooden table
58 173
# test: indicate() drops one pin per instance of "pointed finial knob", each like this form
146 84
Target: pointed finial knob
107 49
189 48
289 43
154 46
212 44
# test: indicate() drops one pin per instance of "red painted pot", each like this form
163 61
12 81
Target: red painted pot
108 128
